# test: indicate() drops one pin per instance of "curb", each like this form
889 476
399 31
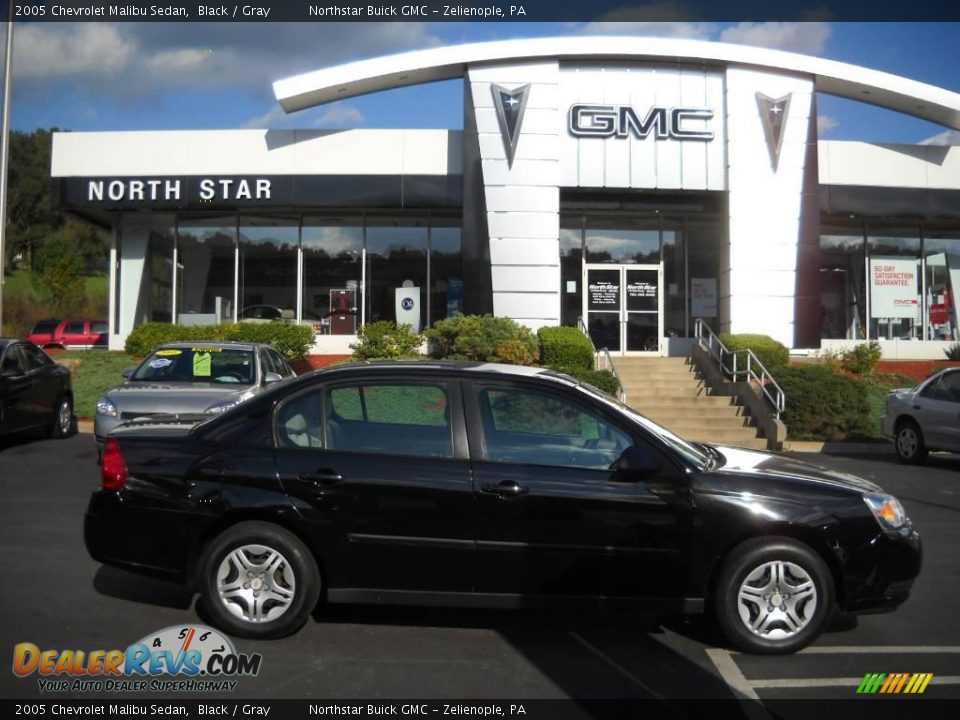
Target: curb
838 448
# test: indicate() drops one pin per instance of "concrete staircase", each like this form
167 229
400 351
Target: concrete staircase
670 392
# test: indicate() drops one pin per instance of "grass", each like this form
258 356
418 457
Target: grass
20 282
94 372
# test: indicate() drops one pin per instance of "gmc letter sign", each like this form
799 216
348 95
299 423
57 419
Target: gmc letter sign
622 120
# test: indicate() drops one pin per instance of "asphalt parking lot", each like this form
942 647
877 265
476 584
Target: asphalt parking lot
55 596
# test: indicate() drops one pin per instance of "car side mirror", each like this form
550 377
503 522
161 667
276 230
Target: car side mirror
128 373
271 377
636 463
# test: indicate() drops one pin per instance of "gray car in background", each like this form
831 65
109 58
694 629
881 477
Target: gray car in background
925 418
185 378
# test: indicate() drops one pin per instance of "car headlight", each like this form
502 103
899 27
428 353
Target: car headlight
105 407
888 511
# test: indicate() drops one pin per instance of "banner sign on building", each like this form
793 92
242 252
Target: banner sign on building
893 287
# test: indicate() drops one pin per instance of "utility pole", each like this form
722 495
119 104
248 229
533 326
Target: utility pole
5 150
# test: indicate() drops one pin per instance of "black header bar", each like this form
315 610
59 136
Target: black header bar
481 11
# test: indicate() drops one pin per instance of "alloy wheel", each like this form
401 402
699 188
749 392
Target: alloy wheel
256 583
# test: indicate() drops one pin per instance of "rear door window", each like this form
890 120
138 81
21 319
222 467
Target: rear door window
390 417
74 327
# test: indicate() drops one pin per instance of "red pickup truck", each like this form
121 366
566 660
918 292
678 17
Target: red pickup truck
83 334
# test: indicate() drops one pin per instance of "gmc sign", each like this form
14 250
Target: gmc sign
621 121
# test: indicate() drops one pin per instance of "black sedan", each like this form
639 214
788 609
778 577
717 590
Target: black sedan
35 392
493 485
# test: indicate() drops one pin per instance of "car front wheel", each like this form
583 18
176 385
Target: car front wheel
909 443
259 581
773 596
62 425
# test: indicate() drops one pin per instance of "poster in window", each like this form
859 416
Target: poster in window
703 297
893 287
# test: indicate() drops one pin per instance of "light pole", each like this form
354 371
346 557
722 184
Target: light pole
5 150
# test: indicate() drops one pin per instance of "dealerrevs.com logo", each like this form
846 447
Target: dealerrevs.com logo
198 658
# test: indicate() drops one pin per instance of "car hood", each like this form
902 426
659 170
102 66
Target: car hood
776 466
149 397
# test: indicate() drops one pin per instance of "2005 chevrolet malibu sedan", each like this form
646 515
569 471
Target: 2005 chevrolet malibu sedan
481 484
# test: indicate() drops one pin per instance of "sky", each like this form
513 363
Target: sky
159 76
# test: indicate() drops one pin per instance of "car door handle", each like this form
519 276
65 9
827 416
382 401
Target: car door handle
323 476
507 488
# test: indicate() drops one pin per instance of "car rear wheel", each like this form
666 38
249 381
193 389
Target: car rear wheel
909 443
773 596
259 581
63 418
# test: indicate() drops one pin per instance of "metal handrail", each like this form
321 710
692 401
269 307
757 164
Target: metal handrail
607 360
733 369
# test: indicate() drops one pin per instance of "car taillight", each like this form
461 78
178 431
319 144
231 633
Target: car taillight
113 469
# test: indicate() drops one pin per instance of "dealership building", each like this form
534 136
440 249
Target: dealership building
636 184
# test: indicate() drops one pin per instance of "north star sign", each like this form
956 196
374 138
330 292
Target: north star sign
622 121
170 189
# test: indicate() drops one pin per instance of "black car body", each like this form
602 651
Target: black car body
35 392
478 484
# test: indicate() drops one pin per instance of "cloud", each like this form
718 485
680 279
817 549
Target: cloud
803 37
336 116
56 50
947 137
825 123
659 19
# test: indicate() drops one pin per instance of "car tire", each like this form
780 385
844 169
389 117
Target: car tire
259 581
773 596
63 424
909 444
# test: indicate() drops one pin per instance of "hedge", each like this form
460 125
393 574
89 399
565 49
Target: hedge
385 340
293 341
601 379
822 405
566 347
771 353
483 338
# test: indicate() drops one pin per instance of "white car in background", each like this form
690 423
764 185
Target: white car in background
926 417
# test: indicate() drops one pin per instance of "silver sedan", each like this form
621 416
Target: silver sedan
190 378
926 417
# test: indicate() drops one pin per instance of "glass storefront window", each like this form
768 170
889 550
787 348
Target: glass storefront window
268 269
158 275
894 281
332 273
625 241
571 270
206 265
706 246
144 291
843 289
941 249
396 258
446 269
674 287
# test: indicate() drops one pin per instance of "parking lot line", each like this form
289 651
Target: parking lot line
742 689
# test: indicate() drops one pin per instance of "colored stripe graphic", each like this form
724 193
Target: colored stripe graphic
894 683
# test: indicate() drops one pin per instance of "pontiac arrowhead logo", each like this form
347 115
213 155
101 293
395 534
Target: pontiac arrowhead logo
773 115
510 105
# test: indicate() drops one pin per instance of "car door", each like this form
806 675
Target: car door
15 392
937 409
74 334
44 387
552 517
379 469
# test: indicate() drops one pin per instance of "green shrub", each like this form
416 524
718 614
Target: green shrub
565 346
293 341
862 359
601 379
771 353
953 351
385 340
822 405
486 338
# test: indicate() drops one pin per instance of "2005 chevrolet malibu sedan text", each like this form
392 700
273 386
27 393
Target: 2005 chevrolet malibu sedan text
493 485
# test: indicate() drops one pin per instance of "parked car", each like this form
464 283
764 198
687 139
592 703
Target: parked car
925 417
190 377
484 484
86 334
266 313
35 392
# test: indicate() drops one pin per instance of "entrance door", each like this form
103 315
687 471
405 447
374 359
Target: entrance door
623 308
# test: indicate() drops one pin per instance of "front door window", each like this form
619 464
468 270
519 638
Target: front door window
624 307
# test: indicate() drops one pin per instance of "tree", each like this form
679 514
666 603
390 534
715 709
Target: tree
30 218
58 282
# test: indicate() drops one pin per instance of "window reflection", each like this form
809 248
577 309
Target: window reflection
843 288
268 270
446 270
396 258
332 273
205 271
941 249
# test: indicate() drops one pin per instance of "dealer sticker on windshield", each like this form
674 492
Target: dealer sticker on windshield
202 365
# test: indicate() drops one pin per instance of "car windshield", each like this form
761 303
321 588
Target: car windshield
198 364
689 451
